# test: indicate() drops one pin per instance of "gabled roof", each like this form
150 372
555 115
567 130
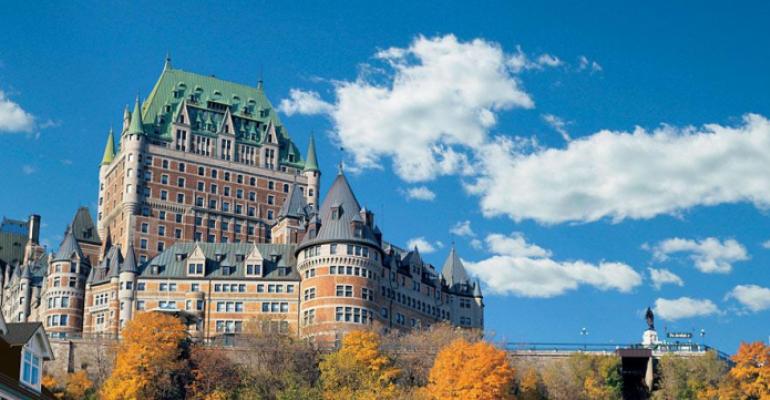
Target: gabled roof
295 205
337 214
83 227
129 263
453 270
68 247
19 333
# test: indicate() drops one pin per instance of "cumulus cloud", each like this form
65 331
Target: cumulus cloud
558 124
13 118
462 228
627 175
302 102
438 97
662 276
754 298
420 193
709 255
527 270
766 244
684 307
549 60
423 245
476 244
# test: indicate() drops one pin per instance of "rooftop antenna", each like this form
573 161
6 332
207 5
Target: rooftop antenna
260 82
339 166
167 63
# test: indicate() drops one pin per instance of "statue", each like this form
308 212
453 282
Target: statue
650 317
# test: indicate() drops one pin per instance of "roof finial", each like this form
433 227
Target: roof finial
339 166
260 82
167 63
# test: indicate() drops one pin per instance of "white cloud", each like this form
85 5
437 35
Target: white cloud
28 169
684 307
476 244
549 60
302 102
766 244
13 118
662 276
526 270
754 298
420 193
709 255
558 124
423 245
585 64
462 228
620 175
438 97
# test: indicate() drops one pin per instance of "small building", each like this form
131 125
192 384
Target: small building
24 347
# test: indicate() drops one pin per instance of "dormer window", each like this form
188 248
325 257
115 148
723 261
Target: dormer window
336 212
254 269
195 269
228 270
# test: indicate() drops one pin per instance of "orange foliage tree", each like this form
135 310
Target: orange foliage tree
78 385
359 370
751 373
149 359
477 371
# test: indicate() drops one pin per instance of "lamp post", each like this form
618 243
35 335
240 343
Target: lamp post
584 334
703 338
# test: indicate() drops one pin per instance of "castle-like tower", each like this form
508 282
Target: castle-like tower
65 288
201 159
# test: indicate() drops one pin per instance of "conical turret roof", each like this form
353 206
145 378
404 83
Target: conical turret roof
311 162
109 149
295 205
68 247
137 126
453 270
338 214
129 263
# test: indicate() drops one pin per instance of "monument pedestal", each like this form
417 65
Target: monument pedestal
649 338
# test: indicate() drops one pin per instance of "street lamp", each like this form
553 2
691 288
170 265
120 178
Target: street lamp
703 338
584 334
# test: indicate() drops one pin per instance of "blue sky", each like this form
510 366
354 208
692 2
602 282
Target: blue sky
488 113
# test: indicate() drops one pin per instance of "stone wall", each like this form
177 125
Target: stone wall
95 355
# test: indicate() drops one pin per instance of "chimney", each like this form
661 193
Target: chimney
34 228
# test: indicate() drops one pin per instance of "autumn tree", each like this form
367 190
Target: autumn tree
471 371
213 374
530 386
150 360
688 378
583 376
414 352
359 370
751 373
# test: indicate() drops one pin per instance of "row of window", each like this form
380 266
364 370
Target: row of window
353 271
414 303
229 306
351 250
354 314
58 302
275 307
57 320
72 268
214 173
65 282
347 291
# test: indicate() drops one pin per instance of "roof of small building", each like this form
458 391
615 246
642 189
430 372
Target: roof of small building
454 272
295 205
19 333
68 247
83 227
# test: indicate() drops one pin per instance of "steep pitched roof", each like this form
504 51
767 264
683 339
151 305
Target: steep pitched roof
453 270
311 162
295 205
83 227
337 214
68 247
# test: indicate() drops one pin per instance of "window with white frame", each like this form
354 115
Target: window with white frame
31 369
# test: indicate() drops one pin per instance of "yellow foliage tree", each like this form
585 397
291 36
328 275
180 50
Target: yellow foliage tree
50 383
530 386
359 370
466 371
148 358
751 373
78 385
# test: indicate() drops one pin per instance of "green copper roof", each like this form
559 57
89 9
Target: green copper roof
136 127
109 149
311 163
205 100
